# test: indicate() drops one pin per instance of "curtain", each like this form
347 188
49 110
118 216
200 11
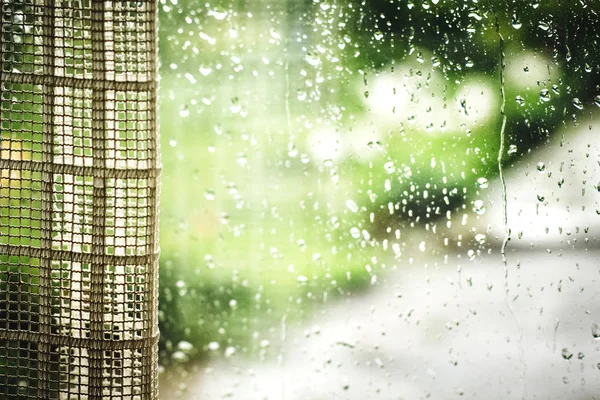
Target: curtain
79 171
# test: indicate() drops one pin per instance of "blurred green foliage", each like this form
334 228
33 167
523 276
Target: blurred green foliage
327 61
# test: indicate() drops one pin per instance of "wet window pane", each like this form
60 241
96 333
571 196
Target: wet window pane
380 199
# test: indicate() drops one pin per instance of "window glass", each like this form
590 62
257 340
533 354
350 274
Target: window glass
379 199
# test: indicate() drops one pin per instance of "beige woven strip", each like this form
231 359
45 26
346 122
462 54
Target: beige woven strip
79 169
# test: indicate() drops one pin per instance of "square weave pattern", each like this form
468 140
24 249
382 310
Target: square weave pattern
79 169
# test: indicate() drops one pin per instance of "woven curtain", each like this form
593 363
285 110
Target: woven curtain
78 200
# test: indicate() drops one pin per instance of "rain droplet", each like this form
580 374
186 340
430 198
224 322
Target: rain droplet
545 95
516 22
422 246
597 100
352 206
172 142
577 104
312 59
541 167
541 198
213 346
596 331
389 167
274 34
355 232
184 112
241 159
482 183
520 101
480 238
479 207
218 15
566 354
512 149
209 194
205 70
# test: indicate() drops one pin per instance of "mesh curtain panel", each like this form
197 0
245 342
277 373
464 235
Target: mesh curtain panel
78 200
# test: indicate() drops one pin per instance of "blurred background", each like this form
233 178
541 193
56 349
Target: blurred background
332 212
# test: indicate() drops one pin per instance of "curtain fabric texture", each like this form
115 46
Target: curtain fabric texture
79 186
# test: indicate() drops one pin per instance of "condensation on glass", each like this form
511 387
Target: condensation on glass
78 200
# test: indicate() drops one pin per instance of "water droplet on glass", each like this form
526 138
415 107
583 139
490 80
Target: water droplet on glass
389 167
313 59
520 101
597 100
172 142
512 149
480 238
516 22
577 104
482 183
184 112
541 198
241 159
422 246
596 331
378 35
355 232
545 95
541 167
209 194
352 206
274 34
544 26
479 207
566 354
218 14
204 71
555 89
